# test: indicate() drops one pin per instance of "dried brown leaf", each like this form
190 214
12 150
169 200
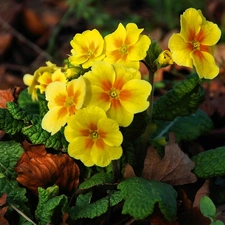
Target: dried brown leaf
37 168
3 210
203 191
6 96
128 171
174 168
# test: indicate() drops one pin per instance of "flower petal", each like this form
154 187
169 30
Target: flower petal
54 119
132 34
180 50
205 64
108 130
80 148
191 22
134 95
118 113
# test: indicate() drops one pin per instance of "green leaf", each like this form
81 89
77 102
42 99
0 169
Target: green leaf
141 196
8 123
18 113
218 222
10 152
85 209
183 100
37 135
16 194
48 204
210 163
98 178
186 128
27 103
207 207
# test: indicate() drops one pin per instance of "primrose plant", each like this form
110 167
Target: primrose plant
98 111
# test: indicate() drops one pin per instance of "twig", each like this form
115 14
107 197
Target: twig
21 213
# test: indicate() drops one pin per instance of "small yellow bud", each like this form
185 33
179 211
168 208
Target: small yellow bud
164 59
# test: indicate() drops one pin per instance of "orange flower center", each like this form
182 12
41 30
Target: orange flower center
196 45
123 49
69 101
94 135
90 53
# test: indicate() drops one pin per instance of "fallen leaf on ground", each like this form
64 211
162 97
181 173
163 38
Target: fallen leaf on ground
6 96
174 168
203 191
37 168
3 210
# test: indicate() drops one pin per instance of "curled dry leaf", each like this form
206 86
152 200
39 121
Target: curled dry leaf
37 168
174 168
3 210
6 96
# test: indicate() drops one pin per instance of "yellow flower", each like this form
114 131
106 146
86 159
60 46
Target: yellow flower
47 77
164 59
126 45
87 48
93 138
63 101
118 90
32 80
194 45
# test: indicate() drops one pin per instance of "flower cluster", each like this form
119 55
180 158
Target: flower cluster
100 89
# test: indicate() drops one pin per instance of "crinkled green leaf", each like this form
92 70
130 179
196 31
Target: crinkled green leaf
10 153
183 100
207 207
37 135
210 163
16 194
85 209
28 104
98 178
18 113
8 123
185 128
218 222
48 204
141 195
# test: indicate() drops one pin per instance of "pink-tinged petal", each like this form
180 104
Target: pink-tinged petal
55 89
209 34
80 148
102 75
134 95
191 22
205 64
139 50
180 50
116 39
118 113
108 130
132 34
54 119
99 153
99 98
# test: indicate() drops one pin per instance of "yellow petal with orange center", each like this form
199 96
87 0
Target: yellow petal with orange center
134 95
180 50
80 148
108 130
191 22
54 119
205 64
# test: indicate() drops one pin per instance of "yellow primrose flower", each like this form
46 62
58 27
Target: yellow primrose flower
47 77
87 48
126 45
32 80
118 90
93 138
194 45
63 101
164 59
